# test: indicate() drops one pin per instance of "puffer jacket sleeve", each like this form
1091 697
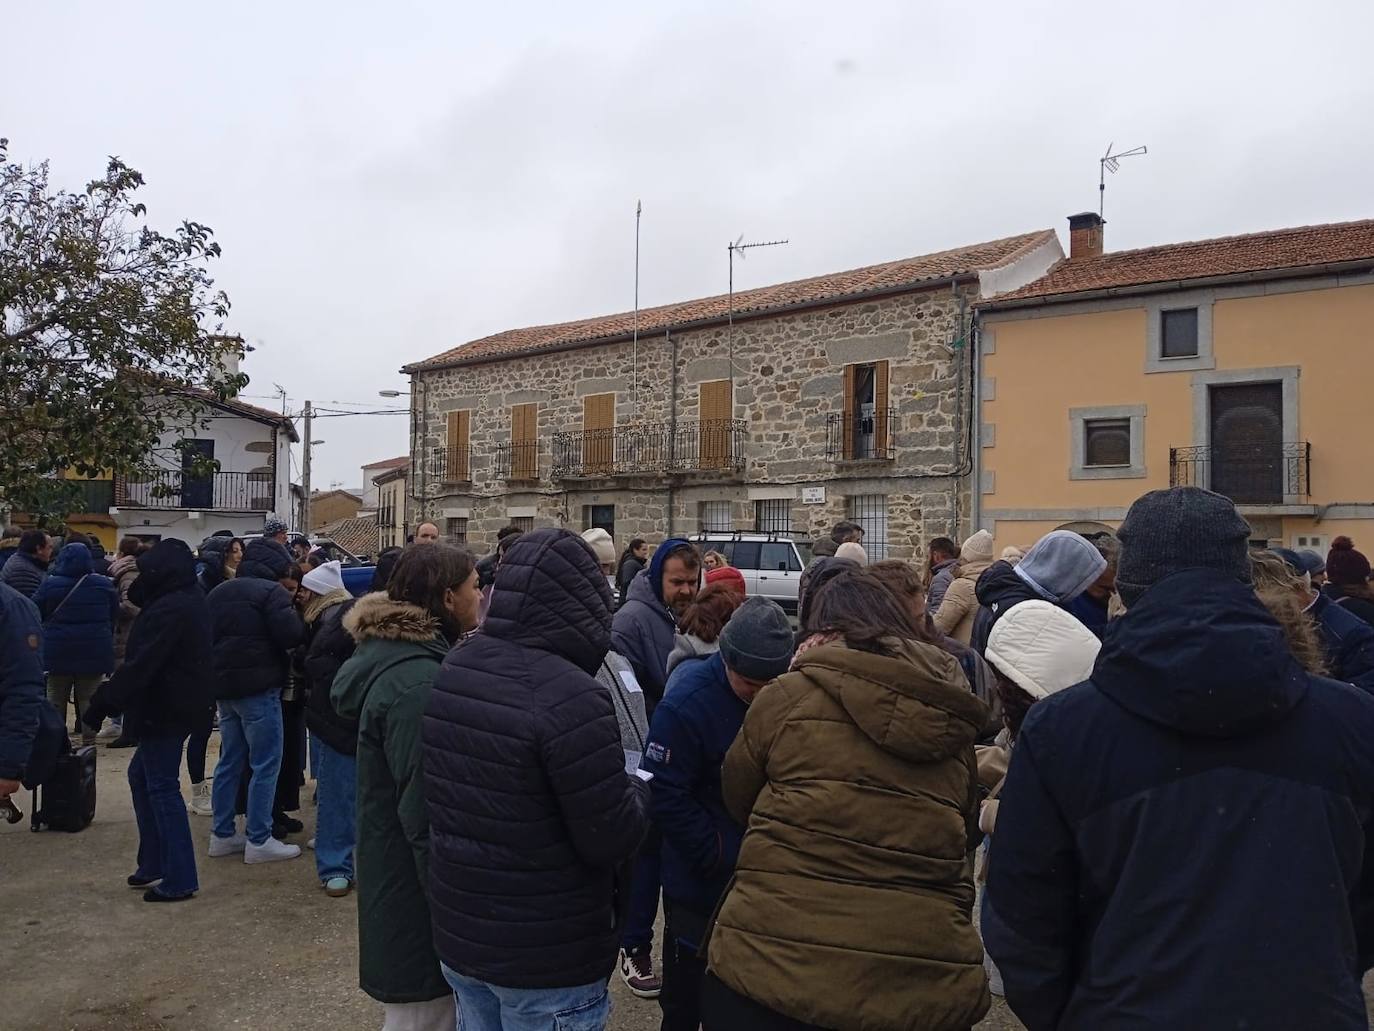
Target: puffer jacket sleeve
284 623
1029 913
744 772
21 682
957 602
939 587
677 809
605 809
155 634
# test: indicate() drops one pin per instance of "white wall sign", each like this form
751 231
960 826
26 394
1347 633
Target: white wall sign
813 495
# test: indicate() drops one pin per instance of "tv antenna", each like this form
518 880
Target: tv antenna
1110 162
741 248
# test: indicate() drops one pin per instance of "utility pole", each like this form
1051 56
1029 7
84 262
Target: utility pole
305 471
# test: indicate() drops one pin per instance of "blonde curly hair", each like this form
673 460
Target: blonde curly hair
1282 593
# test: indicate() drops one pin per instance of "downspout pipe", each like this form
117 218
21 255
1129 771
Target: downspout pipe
672 425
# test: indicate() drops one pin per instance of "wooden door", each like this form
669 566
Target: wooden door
524 442
714 424
1247 442
455 465
598 434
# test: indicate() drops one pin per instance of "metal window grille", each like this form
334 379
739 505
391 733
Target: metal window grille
457 530
523 523
716 517
773 515
870 512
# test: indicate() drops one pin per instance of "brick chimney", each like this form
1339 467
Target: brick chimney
1085 235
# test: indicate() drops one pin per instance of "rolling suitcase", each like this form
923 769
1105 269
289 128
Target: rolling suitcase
65 801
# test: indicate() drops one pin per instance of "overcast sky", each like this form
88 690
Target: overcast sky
390 180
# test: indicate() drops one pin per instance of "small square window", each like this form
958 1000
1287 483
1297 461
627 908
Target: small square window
716 517
456 529
525 524
1178 333
1107 442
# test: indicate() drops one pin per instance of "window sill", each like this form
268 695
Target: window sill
1108 472
1187 363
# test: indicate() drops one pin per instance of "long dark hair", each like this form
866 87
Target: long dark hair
860 608
425 572
635 544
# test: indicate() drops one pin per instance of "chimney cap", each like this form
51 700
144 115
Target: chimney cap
1085 220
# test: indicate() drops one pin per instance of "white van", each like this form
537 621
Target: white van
771 563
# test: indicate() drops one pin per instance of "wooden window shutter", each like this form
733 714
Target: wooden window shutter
459 436
524 441
598 432
716 411
880 410
847 426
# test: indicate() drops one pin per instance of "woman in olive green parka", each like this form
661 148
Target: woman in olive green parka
854 775
403 635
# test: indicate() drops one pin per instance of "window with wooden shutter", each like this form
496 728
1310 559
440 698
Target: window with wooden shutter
524 442
714 425
456 467
598 433
848 416
881 430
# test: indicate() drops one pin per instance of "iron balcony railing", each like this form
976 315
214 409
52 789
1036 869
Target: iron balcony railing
1258 473
451 464
649 449
860 438
225 492
518 460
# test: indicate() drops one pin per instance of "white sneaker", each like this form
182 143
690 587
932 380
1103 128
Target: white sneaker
227 846
310 844
270 851
200 800
110 729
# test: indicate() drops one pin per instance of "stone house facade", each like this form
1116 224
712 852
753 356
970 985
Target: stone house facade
786 410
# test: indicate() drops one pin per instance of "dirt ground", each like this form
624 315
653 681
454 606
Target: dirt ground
260 947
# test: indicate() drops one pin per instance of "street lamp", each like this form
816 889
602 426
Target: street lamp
393 393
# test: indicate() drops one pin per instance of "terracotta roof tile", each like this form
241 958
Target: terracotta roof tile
389 463
1296 248
357 534
838 286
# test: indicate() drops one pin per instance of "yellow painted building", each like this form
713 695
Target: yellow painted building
1245 365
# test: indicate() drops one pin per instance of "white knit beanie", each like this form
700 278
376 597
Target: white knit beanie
324 578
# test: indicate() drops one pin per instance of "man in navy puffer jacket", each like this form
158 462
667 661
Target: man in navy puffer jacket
80 609
532 814
1183 840
21 685
255 625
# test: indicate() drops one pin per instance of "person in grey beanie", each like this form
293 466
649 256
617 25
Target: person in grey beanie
1147 810
693 727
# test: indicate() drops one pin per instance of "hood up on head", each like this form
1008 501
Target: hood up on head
167 566
1199 653
264 559
74 560
550 594
1061 566
916 706
655 573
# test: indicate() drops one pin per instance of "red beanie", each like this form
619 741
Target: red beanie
729 576
1345 566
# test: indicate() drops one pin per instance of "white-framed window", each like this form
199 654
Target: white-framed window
870 512
716 517
1107 442
773 515
1312 542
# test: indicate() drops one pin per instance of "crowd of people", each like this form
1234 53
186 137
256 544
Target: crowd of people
1122 779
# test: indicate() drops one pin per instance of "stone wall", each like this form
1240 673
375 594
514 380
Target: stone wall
788 381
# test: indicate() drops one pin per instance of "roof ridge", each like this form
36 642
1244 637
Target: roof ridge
1234 238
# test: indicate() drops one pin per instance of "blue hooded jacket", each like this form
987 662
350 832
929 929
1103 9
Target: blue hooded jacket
21 680
79 609
644 627
1182 840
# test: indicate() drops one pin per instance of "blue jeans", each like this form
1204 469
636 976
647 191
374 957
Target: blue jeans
335 834
249 732
164 831
489 1007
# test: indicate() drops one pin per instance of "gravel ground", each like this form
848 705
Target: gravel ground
260 947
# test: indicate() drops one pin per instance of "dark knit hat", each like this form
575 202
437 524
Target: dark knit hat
757 642
1346 567
1168 531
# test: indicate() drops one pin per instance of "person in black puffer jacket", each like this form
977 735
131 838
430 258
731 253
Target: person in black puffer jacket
333 738
533 816
255 626
163 693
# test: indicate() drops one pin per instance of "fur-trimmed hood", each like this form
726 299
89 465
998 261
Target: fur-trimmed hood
377 617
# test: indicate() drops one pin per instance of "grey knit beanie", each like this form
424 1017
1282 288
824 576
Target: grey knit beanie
757 642
1168 531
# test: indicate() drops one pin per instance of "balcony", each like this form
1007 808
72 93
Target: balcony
97 496
518 460
1259 473
650 449
450 464
861 438
222 492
